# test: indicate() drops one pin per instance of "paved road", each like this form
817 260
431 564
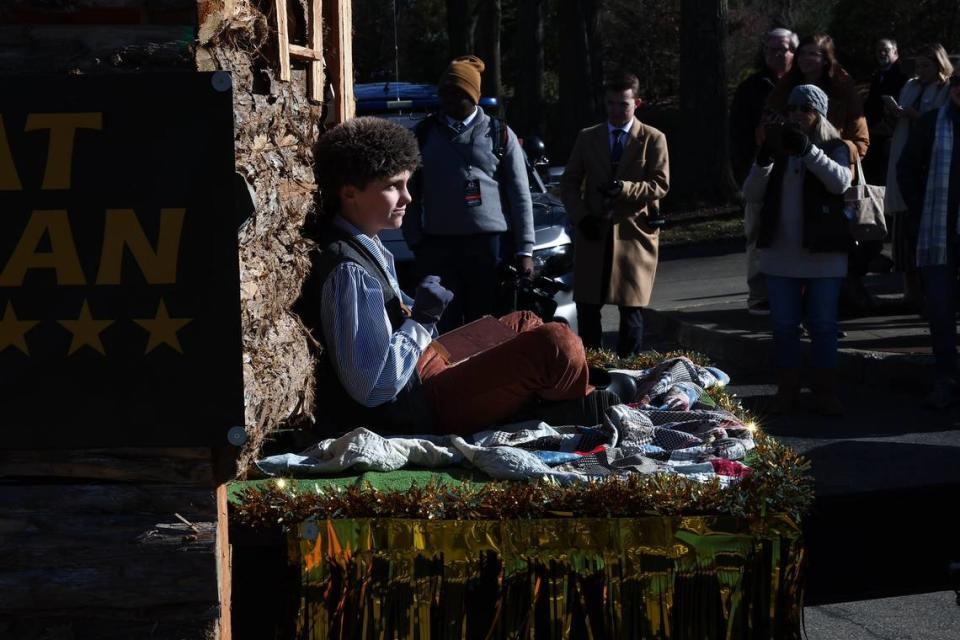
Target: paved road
887 475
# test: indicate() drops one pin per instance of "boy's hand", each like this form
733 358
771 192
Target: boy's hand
430 301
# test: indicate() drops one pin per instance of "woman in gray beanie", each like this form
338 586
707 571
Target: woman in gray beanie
798 181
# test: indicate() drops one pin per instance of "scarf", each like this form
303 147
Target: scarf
932 243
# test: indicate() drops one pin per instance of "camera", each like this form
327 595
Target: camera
520 293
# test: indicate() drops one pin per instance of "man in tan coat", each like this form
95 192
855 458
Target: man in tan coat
617 172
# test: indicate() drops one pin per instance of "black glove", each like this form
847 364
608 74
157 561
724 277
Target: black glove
795 141
766 154
612 189
590 227
430 301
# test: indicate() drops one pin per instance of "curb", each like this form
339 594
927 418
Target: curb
855 366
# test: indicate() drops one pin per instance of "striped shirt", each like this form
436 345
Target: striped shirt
372 361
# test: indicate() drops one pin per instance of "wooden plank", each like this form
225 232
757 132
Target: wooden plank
180 622
188 466
283 42
303 53
316 79
87 48
224 565
107 546
341 52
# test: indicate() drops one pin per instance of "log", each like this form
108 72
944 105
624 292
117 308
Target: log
157 12
112 543
185 466
103 545
181 622
63 48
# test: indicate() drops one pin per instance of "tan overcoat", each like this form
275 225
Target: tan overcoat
645 172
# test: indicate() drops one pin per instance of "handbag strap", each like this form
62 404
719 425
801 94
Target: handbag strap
858 180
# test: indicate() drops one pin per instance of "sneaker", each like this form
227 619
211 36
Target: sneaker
758 308
943 394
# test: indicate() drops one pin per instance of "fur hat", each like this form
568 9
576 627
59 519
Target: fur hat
809 94
464 73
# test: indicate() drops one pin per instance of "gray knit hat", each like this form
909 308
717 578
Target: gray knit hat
809 94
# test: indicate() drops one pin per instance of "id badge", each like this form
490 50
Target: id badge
471 193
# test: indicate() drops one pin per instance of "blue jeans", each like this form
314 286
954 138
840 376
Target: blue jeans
940 300
815 302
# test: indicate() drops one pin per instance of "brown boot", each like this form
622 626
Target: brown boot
825 385
788 391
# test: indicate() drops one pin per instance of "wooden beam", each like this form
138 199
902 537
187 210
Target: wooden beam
283 42
184 466
224 565
303 53
341 54
316 43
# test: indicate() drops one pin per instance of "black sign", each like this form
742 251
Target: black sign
119 285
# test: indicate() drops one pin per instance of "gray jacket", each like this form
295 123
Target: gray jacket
449 161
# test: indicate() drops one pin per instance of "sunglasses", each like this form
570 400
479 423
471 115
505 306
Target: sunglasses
806 108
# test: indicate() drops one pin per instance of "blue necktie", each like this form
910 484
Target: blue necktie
459 127
617 150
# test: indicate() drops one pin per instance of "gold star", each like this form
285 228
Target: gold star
86 331
163 329
13 332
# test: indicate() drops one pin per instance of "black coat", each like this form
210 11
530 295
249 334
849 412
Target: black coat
883 83
745 112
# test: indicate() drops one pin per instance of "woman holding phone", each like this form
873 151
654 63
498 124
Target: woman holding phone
816 63
798 181
926 91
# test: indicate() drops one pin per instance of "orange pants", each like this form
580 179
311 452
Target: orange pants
545 361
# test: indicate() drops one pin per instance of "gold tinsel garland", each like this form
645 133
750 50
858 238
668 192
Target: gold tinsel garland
779 483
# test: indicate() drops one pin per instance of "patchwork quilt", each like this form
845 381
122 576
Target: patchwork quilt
671 426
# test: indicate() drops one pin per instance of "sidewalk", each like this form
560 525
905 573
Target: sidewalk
699 300
884 473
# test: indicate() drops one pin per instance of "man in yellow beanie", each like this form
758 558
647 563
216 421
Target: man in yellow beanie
471 190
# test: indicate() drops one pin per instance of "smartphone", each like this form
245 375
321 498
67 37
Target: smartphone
890 101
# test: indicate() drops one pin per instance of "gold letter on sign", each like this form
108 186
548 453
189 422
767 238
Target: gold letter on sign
9 180
63 127
122 229
62 256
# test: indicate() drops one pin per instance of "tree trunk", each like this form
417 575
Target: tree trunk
529 102
488 46
591 15
703 165
577 104
460 23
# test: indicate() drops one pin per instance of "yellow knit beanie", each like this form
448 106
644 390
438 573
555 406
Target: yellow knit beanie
464 73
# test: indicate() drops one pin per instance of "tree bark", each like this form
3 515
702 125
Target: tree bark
488 46
704 162
530 85
576 98
460 26
591 15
